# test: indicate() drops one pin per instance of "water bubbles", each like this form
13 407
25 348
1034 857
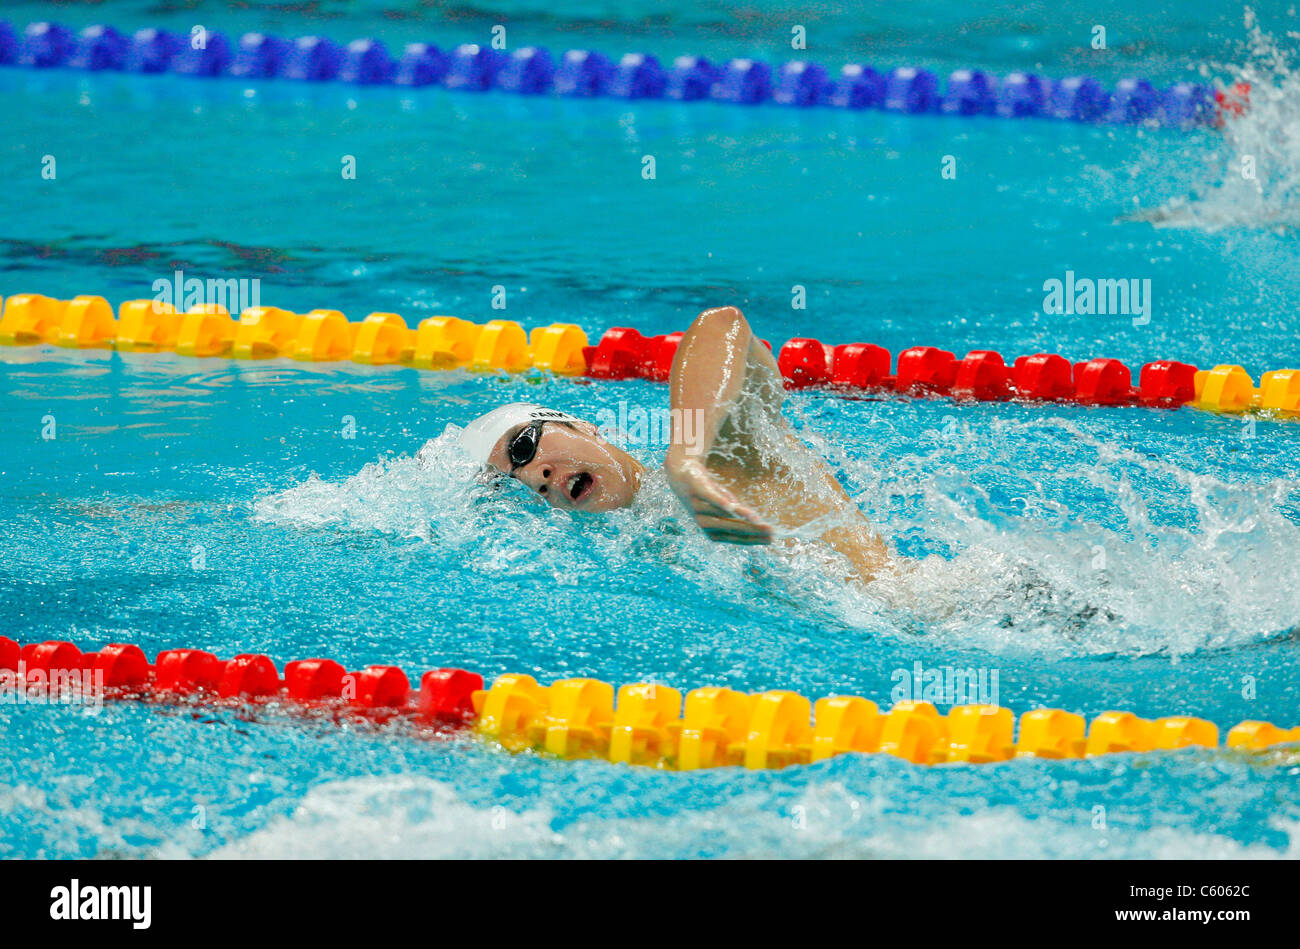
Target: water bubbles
1026 535
1253 178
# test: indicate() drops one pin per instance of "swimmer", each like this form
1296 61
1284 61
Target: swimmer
746 478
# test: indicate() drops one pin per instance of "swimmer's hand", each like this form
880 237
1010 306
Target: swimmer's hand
721 515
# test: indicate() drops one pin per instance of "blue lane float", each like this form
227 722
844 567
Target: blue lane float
857 87
1021 95
800 84
99 47
639 76
151 51
911 90
528 72
743 81
581 73
259 56
366 62
213 58
312 59
691 78
421 65
472 68
45 46
969 92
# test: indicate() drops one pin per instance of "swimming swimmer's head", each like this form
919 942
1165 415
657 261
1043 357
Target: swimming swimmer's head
560 456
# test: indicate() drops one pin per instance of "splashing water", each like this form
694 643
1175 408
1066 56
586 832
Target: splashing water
1093 559
1009 560
1256 178
1052 581
402 817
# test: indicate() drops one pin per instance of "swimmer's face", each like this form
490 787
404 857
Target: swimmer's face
574 468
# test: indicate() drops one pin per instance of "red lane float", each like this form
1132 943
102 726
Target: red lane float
381 692
623 353
124 666
10 654
1167 384
1043 377
381 687
805 362
861 366
52 658
249 676
925 370
310 680
619 355
981 376
1103 382
578 718
446 695
186 670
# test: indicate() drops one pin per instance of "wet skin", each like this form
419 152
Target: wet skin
574 468
740 489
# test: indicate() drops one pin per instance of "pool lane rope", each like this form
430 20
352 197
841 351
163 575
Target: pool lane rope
448 342
584 74
646 724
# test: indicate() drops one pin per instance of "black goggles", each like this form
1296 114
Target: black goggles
523 447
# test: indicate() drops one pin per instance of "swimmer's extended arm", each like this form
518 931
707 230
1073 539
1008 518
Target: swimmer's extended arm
718 360
734 461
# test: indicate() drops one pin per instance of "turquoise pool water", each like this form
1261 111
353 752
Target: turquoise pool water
1092 558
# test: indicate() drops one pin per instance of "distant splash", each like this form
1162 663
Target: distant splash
1255 183
1048 581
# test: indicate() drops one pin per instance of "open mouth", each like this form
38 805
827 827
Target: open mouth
580 486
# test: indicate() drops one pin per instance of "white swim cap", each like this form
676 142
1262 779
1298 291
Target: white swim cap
481 435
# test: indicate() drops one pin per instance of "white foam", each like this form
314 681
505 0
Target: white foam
1053 582
1267 136
1047 581
418 817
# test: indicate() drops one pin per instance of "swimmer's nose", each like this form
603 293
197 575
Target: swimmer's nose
540 478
